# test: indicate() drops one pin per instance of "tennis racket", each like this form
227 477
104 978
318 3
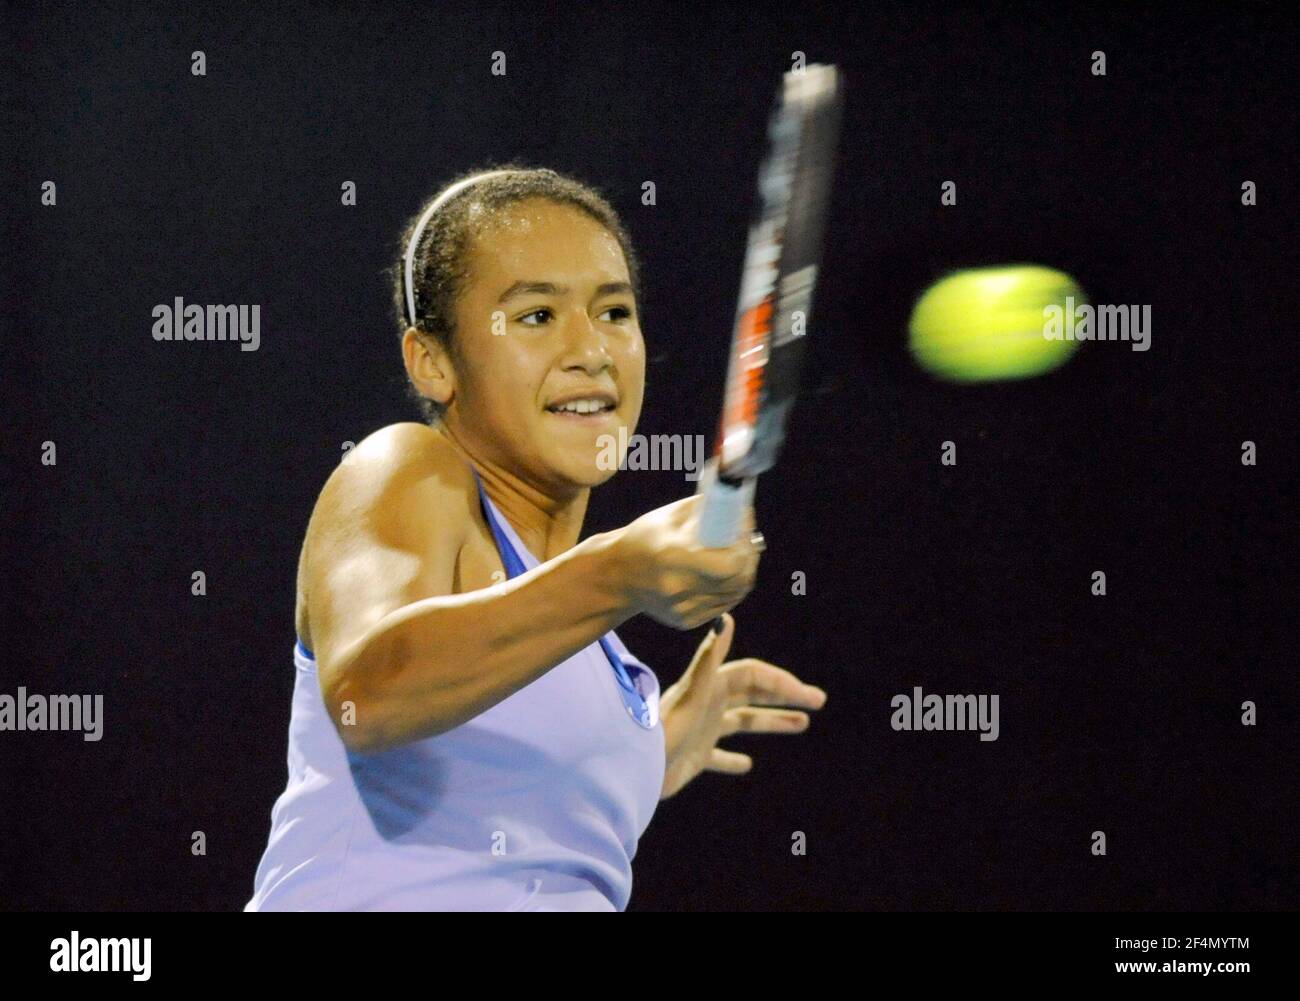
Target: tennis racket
776 290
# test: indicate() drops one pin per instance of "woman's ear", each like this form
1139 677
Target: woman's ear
429 366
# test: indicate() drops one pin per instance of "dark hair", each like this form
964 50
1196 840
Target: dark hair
441 266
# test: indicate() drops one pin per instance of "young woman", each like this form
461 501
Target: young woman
468 732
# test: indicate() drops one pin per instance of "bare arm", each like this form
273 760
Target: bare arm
432 664
393 644
410 658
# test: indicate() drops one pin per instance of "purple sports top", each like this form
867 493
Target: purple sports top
535 804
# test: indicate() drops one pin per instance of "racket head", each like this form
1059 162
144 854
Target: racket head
780 271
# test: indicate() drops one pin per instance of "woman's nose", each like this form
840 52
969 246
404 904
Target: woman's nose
586 345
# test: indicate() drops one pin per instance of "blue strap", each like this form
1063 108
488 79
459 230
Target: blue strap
636 705
514 565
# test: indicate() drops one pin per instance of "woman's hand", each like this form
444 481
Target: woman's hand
675 580
713 700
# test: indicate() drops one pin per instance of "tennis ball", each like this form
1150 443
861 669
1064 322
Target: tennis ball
986 324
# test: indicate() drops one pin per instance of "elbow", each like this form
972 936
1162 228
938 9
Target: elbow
376 736
357 737
358 740
354 716
366 722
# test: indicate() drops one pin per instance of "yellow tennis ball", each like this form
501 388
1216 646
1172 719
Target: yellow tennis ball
987 324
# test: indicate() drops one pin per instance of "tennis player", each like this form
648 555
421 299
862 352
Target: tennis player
468 732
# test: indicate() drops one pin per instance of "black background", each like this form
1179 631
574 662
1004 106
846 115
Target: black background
1118 713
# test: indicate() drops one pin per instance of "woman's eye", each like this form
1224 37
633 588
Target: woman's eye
620 314
536 312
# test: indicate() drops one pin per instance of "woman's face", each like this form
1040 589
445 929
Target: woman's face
548 318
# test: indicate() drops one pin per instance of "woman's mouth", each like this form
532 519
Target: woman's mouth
583 410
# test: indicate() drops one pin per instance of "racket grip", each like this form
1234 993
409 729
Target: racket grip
723 510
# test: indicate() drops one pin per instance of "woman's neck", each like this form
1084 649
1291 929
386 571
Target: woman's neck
547 524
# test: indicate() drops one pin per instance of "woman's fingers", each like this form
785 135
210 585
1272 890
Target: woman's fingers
749 719
729 762
712 651
756 682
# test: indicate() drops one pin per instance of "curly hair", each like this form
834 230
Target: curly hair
441 268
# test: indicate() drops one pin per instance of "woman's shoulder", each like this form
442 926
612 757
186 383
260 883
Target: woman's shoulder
407 453
403 491
402 475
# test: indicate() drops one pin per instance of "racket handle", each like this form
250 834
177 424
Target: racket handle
723 511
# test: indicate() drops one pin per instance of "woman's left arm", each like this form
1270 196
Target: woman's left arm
714 700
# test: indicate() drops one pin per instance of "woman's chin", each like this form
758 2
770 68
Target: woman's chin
586 474
585 460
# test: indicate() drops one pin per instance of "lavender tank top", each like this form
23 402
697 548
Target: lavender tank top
535 804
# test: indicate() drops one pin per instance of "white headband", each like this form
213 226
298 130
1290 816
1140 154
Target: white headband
420 227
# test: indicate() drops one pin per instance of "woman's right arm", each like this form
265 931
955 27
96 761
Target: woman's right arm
402 658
